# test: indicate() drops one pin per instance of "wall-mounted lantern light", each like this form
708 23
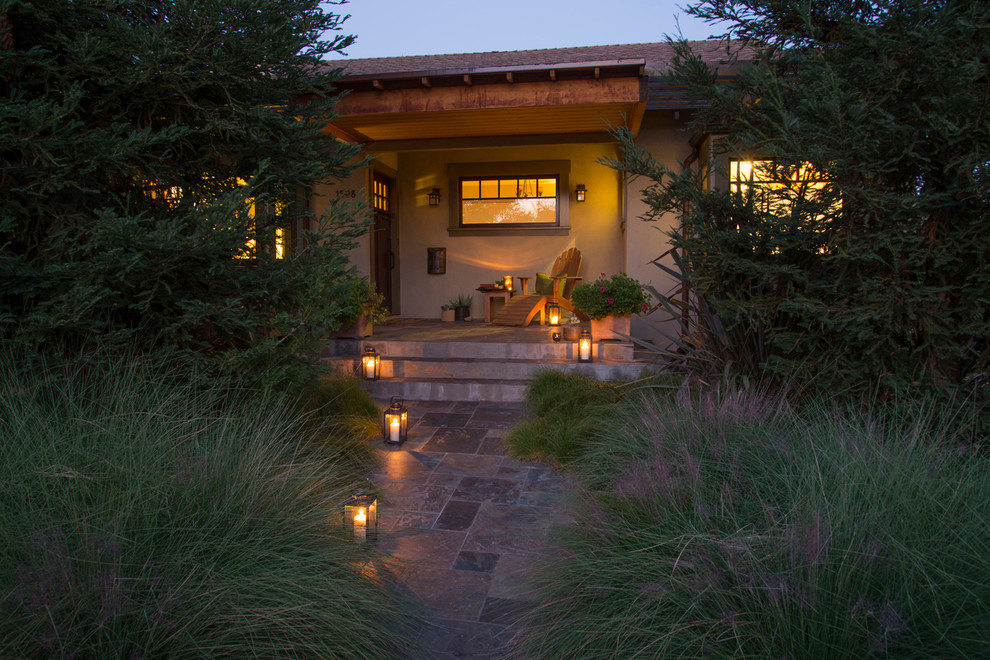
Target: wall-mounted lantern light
395 422
507 280
435 197
361 516
579 192
584 346
553 313
370 364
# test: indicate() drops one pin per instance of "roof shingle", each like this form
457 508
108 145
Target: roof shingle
656 55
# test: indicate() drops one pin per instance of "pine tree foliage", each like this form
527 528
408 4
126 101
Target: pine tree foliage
867 265
147 145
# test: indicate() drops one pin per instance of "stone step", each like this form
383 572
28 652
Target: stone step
603 350
475 370
484 369
448 389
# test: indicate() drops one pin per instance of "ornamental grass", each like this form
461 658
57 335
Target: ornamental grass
142 518
723 523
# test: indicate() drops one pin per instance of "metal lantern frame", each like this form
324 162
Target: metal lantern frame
434 197
361 516
395 422
584 346
371 364
579 192
553 314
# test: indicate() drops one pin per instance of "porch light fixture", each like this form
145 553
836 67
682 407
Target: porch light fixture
361 516
507 281
579 192
435 197
553 314
370 364
584 346
395 422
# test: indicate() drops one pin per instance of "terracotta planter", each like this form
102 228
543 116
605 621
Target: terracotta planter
358 329
572 332
447 315
605 329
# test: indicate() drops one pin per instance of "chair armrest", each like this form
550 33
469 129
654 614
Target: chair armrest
525 284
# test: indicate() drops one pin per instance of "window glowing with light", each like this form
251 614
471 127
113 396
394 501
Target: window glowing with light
509 201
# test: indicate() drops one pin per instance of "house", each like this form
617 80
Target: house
477 160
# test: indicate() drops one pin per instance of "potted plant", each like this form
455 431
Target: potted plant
609 303
462 307
447 312
360 306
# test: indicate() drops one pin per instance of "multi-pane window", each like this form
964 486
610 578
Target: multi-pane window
772 187
511 201
380 195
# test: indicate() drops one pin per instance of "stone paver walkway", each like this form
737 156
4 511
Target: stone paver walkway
465 520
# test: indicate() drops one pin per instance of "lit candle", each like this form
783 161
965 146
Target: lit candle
361 525
585 348
393 430
554 318
507 280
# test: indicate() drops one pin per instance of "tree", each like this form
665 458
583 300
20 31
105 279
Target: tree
155 158
862 258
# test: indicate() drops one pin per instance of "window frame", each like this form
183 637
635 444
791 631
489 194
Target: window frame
557 169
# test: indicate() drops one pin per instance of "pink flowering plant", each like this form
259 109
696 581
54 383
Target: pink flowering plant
619 296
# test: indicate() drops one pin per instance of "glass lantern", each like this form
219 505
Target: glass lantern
507 281
361 516
395 422
370 364
584 346
553 314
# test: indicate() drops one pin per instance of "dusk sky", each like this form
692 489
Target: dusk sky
389 28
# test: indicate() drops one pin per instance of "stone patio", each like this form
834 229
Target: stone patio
466 520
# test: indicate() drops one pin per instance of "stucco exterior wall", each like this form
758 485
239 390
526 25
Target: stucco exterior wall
666 136
595 226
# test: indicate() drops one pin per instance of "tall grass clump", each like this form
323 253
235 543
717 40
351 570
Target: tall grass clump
143 518
725 524
566 410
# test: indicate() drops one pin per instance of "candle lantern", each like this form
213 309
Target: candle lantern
553 313
555 335
371 363
361 516
507 280
584 346
395 422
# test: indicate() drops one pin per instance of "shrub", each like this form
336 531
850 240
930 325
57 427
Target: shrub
724 524
144 519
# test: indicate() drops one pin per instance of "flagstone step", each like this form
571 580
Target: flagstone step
449 389
603 350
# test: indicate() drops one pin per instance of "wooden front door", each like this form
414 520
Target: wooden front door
383 252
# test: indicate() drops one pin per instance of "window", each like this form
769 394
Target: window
170 197
772 187
509 201
521 197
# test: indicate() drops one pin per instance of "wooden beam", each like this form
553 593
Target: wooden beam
553 75
467 79
503 95
508 77
377 84
425 81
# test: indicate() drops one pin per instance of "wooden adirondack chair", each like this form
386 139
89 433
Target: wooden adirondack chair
523 307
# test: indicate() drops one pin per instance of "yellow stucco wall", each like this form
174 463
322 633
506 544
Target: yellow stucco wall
595 226
666 137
